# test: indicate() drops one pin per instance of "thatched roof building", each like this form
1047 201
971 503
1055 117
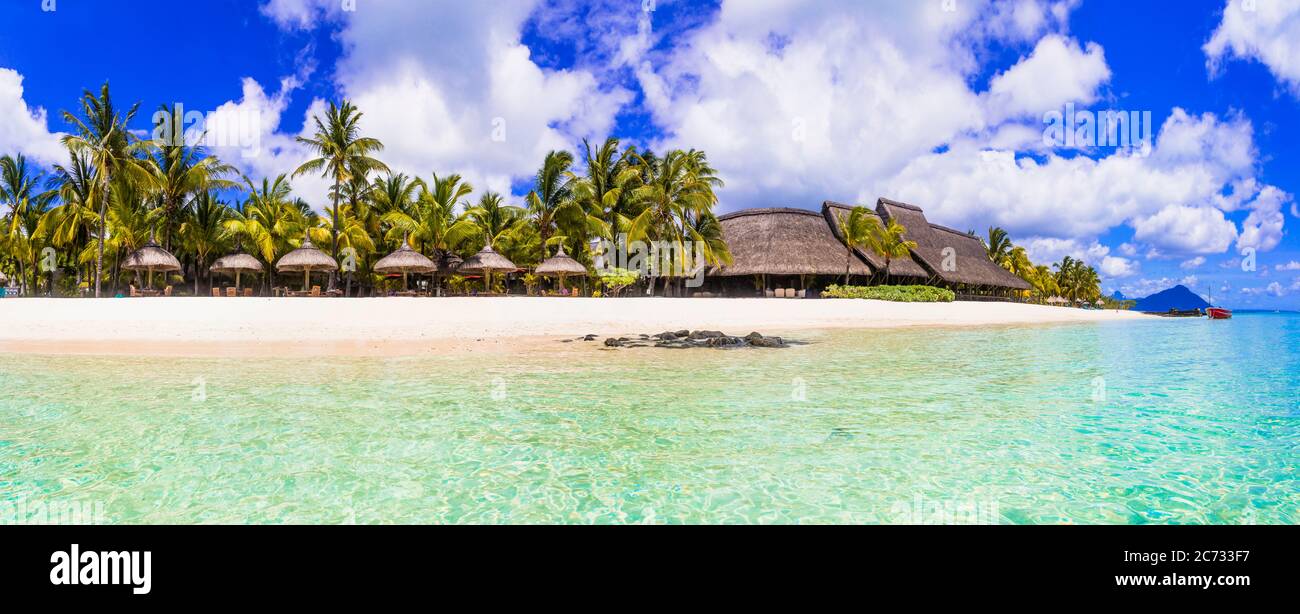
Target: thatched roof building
966 264
783 242
561 265
800 242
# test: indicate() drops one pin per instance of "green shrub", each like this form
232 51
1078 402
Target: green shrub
898 294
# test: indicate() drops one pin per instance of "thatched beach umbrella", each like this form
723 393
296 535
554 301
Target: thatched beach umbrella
561 266
237 263
405 261
152 257
486 261
306 259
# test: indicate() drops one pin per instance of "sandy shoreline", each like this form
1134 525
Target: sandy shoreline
400 326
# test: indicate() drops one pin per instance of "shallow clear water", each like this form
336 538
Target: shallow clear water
1170 421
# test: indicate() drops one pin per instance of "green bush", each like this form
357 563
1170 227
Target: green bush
898 294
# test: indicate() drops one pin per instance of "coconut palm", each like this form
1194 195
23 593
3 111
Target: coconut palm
203 233
20 189
181 171
605 190
861 230
891 242
551 204
268 221
68 226
100 136
680 184
342 154
998 246
498 223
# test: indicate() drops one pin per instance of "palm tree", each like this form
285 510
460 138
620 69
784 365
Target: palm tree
605 191
101 137
431 224
181 171
268 221
69 225
860 229
498 222
19 188
204 232
680 184
551 201
998 246
342 153
892 243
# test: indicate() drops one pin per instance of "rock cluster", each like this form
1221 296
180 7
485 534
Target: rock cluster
682 339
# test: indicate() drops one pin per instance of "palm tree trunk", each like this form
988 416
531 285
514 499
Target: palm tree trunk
103 220
334 232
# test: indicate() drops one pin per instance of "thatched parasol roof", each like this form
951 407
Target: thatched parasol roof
561 264
151 257
405 260
237 263
783 242
971 264
306 258
835 213
487 260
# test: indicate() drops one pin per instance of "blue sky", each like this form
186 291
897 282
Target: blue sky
939 103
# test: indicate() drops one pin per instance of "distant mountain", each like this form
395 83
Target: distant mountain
1119 296
1177 297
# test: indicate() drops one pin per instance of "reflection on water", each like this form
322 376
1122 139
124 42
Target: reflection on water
1161 421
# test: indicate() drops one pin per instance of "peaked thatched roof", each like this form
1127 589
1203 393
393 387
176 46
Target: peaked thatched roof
899 267
970 262
784 242
306 258
240 262
405 260
487 259
561 264
151 257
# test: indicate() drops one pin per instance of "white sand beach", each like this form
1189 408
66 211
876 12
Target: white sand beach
221 326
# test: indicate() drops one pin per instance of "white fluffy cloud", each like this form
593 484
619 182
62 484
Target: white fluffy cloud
1193 263
466 98
1266 31
1187 229
829 97
23 129
1057 72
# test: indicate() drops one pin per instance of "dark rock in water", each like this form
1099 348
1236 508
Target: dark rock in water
752 336
768 342
706 334
589 338
683 333
724 342
667 336
613 343
566 341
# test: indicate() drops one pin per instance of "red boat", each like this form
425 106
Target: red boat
1218 313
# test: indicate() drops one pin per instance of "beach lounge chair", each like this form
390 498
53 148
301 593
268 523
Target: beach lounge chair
315 290
167 291
216 292
134 292
248 292
231 293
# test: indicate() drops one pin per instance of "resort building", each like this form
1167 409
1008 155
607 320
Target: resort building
778 250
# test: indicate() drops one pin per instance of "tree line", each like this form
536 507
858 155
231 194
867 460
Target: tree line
117 191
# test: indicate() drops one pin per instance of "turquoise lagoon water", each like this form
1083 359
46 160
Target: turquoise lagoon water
1169 421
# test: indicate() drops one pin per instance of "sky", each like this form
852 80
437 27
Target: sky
979 111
